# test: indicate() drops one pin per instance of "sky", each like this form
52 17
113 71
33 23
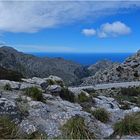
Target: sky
70 26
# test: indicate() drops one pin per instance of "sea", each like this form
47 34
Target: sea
87 59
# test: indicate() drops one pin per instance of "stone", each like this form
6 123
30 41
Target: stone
27 127
9 108
54 88
35 80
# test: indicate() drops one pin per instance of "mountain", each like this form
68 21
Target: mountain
100 66
129 70
10 75
30 66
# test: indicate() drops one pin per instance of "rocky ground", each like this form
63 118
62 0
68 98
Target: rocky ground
47 108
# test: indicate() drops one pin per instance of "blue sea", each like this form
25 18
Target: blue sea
87 58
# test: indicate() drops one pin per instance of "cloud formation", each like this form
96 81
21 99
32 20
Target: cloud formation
113 29
109 30
32 16
89 32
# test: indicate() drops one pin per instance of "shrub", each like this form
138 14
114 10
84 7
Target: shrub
82 97
50 82
7 87
36 135
75 128
131 91
130 125
8 130
34 93
101 114
67 95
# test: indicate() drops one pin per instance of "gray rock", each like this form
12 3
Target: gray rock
9 108
54 89
128 137
14 85
27 127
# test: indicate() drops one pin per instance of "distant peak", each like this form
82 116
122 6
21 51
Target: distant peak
8 48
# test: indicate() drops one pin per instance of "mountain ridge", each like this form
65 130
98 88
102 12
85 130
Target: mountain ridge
30 65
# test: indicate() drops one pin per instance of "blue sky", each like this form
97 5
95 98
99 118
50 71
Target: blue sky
74 26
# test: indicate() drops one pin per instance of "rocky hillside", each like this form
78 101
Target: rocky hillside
100 66
30 66
10 75
45 108
129 70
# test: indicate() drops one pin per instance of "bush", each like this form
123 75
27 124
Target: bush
34 93
75 129
65 94
101 114
36 135
130 125
131 91
7 87
83 98
8 130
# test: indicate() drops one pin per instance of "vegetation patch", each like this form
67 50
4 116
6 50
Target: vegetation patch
65 94
52 82
8 129
130 125
75 128
36 135
131 94
101 114
34 93
82 97
7 87
131 91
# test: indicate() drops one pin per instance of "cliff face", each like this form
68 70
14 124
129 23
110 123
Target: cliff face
129 70
30 65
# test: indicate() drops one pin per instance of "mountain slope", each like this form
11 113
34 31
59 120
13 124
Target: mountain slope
30 65
129 70
10 75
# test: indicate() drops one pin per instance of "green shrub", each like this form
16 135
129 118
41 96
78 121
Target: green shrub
7 87
125 106
101 114
8 130
34 93
65 94
36 135
130 125
52 82
83 98
131 91
75 128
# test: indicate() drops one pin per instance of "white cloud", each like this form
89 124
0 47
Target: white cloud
113 29
32 16
89 32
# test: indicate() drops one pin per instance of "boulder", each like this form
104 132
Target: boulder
54 89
